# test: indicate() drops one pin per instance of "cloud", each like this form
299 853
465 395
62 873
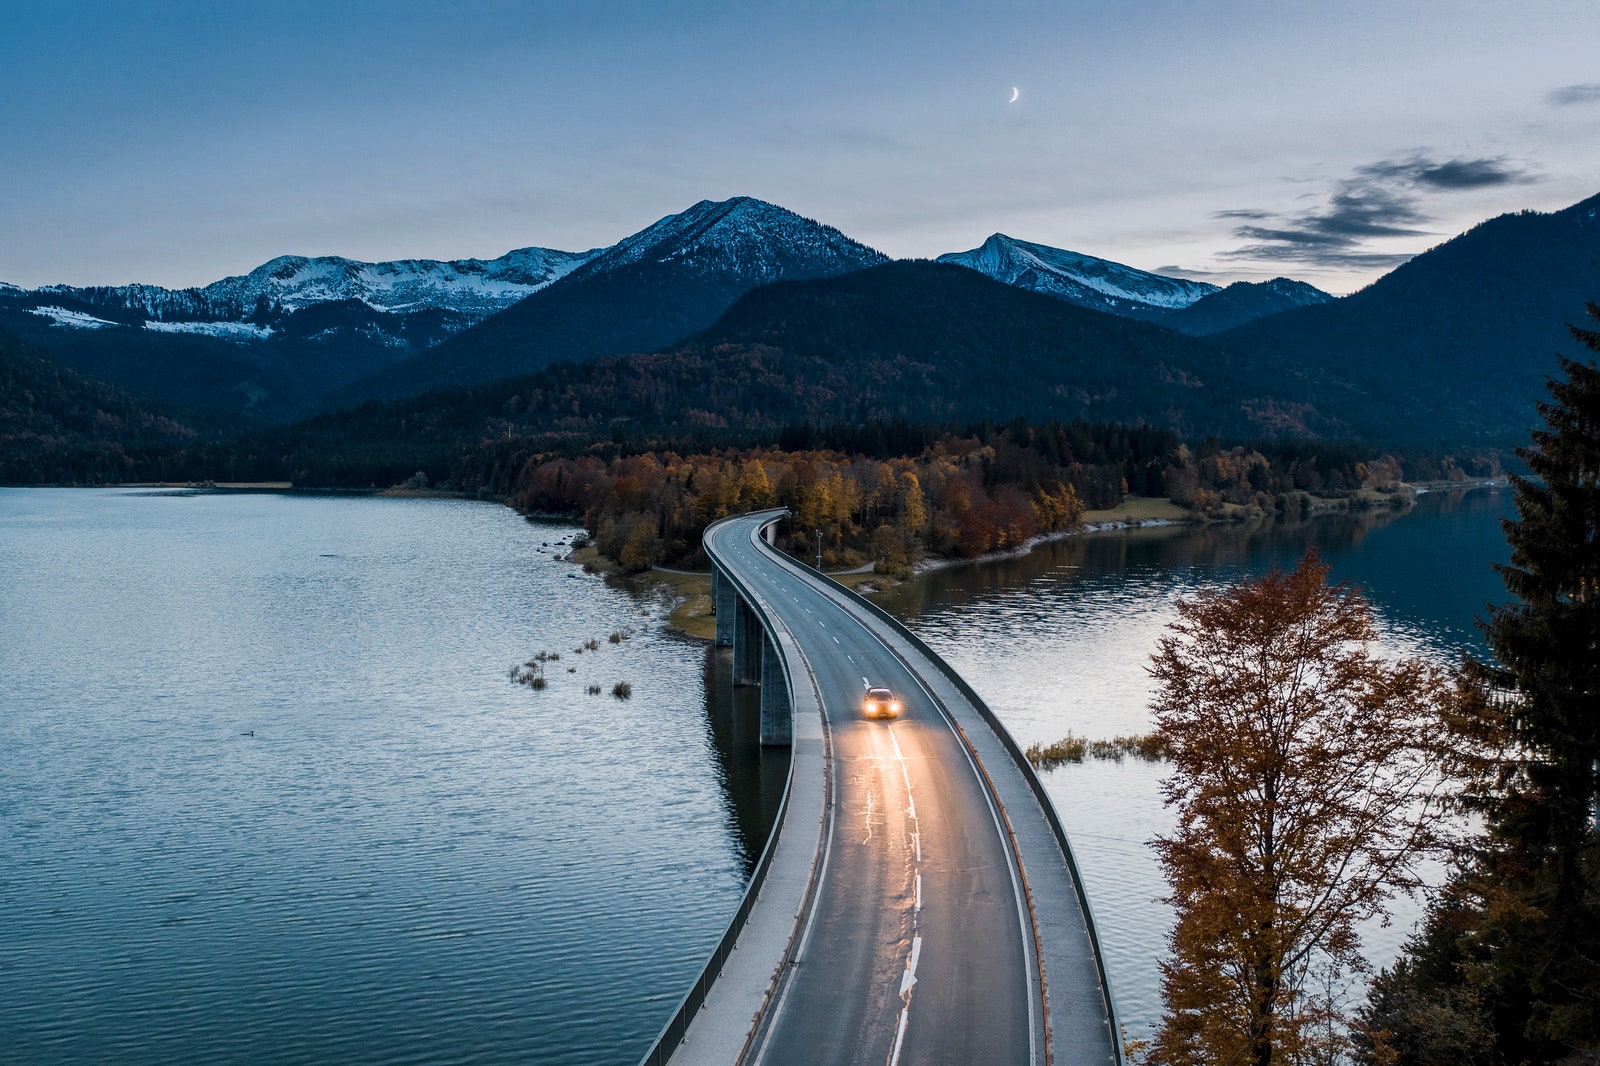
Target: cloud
1173 270
1379 200
1568 95
1451 174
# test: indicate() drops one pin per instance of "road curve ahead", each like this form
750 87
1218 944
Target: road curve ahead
917 945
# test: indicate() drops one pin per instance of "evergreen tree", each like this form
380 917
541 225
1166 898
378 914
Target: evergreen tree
1507 968
1543 922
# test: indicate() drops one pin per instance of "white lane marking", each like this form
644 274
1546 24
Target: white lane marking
852 659
864 683
911 808
916 839
910 976
899 1036
836 641
919 892
904 776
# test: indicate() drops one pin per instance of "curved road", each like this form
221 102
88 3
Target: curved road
917 946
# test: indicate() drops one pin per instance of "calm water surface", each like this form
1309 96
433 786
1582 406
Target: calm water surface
267 795
412 860
1057 642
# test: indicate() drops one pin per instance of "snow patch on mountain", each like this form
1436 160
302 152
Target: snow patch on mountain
1081 279
476 287
225 330
245 304
74 319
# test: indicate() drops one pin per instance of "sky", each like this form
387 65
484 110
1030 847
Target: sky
178 143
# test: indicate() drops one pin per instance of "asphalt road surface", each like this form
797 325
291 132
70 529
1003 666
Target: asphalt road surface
917 947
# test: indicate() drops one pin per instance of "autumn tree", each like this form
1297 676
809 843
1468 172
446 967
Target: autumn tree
1305 795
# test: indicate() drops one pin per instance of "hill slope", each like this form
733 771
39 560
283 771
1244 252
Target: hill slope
1457 342
58 425
920 341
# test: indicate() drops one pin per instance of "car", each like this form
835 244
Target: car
880 703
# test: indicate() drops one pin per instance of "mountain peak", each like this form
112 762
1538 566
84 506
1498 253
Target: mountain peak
1241 302
1078 278
742 235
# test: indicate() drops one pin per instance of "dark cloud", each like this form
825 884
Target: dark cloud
1568 95
1448 175
1378 200
1173 270
1326 257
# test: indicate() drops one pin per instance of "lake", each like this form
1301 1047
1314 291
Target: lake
1057 642
267 793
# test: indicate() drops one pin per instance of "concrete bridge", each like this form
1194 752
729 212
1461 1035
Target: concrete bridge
918 901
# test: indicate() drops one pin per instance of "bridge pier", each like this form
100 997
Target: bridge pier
777 716
748 636
724 604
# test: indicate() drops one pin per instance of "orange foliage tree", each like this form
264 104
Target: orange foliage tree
1306 789
649 508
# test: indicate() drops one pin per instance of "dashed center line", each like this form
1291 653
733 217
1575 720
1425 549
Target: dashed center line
909 978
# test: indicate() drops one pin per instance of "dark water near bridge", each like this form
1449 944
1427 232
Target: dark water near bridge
267 795
1057 642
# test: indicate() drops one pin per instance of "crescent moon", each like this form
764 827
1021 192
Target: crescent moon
1016 93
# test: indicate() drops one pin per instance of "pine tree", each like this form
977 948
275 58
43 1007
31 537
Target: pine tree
1543 918
1507 967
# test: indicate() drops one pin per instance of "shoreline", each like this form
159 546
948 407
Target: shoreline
691 617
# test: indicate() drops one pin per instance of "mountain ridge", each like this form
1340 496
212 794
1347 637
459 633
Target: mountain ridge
291 283
1085 280
1241 302
648 291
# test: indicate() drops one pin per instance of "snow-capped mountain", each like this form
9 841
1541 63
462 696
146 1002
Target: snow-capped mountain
1241 302
648 291
470 288
1081 279
744 236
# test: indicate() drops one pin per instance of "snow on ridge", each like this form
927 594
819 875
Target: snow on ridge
1075 275
472 286
74 319
749 236
225 330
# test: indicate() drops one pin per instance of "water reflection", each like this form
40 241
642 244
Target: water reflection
752 776
1058 642
267 795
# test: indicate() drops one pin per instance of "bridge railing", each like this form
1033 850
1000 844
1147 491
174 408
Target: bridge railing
1028 773
672 1033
